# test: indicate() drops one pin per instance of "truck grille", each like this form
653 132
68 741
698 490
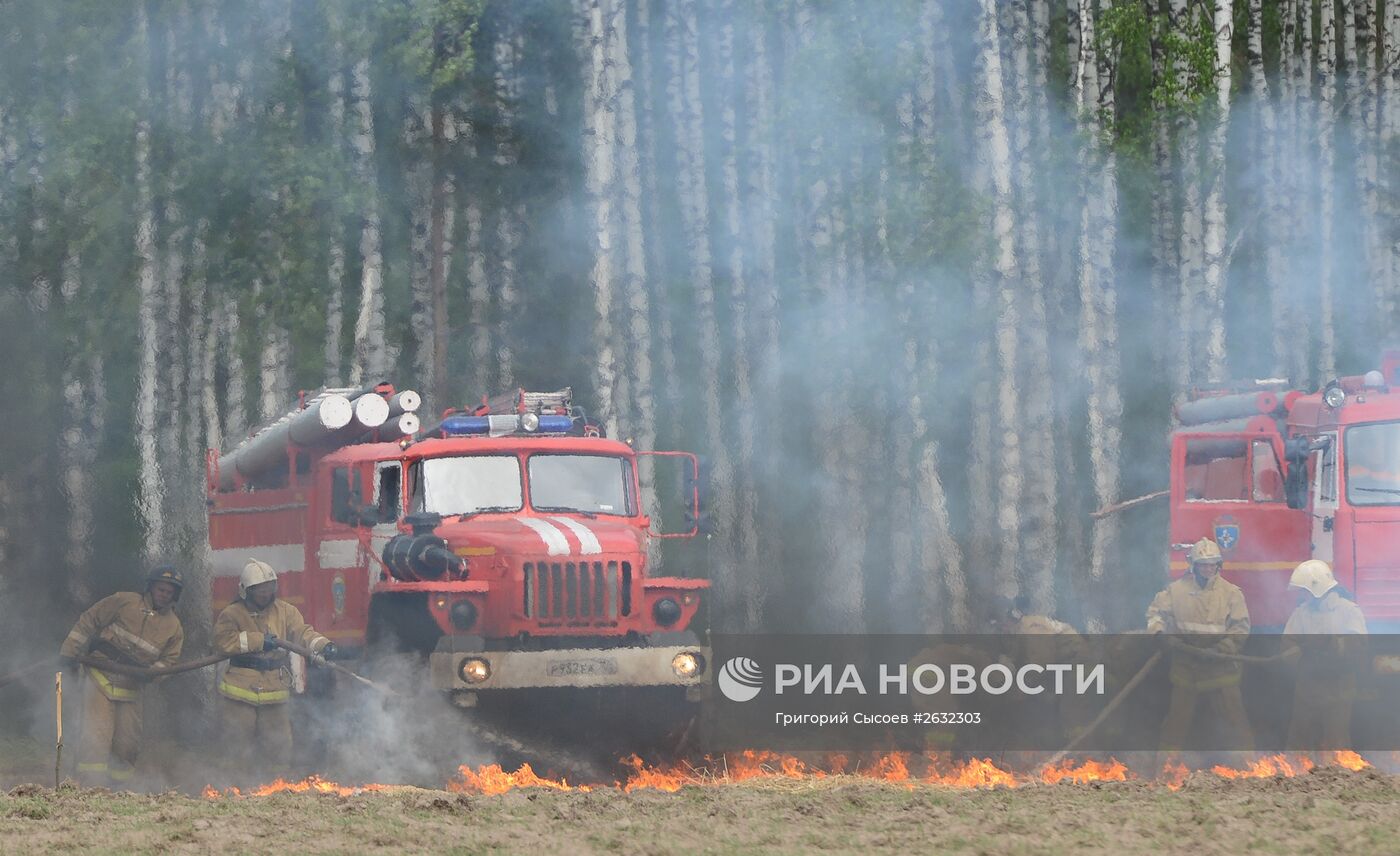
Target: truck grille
590 591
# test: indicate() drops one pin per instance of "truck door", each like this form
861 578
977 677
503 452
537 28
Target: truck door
1324 509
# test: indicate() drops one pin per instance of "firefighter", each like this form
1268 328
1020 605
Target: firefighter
1035 638
1323 636
128 629
256 687
1013 615
1205 612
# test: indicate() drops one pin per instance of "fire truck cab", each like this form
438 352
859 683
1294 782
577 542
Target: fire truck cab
507 545
1277 476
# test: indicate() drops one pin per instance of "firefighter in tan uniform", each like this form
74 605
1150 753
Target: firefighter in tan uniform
257 685
1034 638
1208 612
1325 636
126 629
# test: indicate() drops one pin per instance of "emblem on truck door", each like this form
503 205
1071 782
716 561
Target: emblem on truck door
1227 533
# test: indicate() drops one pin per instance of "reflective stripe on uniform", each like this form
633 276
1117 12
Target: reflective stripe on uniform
1196 627
243 641
1215 683
132 638
121 773
252 696
78 638
111 691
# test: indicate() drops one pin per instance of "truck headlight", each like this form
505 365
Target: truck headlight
687 664
474 670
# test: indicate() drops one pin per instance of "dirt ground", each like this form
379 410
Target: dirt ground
1327 811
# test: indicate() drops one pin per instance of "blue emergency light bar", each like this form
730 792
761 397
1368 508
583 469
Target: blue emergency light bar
505 423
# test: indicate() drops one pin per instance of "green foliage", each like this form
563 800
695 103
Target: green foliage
433 38
1157 70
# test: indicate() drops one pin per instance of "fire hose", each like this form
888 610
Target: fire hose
1141 675
319 660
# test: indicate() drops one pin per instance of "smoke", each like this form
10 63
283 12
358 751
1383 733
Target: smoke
836 184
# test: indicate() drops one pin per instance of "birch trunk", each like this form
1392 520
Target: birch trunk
419 179
1275 191
1215 198
600 170
736 264
510 213
641 404
1327 84
236 385
481 377
1368 168
1040 550
993 142
1389 132
78 445
335 252
370 352
151 498
443 220
1098 337
1189 342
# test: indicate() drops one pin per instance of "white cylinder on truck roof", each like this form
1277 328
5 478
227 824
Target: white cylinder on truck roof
407 401
371 410
321 419
1217 407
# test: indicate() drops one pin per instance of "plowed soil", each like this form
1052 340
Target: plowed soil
1327 811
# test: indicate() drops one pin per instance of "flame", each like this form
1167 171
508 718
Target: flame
1173 775
310 784
1264 768
1350 760
897 768
491 780
1089 771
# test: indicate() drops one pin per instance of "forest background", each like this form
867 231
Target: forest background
920 280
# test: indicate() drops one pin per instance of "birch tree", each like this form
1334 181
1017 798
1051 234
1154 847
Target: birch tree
1327 85
1098 338
1214 283
152 489
370 354
994 143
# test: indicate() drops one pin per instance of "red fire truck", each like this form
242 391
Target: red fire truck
1277 476
506 544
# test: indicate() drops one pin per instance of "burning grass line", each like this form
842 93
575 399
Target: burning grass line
763 769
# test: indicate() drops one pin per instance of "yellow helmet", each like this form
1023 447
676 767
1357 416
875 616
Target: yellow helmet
1205 550
1314 575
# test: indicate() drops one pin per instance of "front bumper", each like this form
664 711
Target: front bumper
572 667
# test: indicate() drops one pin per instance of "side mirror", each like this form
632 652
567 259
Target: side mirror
1295 482
697 493
693 491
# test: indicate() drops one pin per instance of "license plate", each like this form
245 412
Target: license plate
585 666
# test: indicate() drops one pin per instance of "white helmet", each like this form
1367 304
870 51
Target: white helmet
1314 575
254 573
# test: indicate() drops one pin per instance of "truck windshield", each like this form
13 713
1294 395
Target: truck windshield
1372 456
591 484
469 484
